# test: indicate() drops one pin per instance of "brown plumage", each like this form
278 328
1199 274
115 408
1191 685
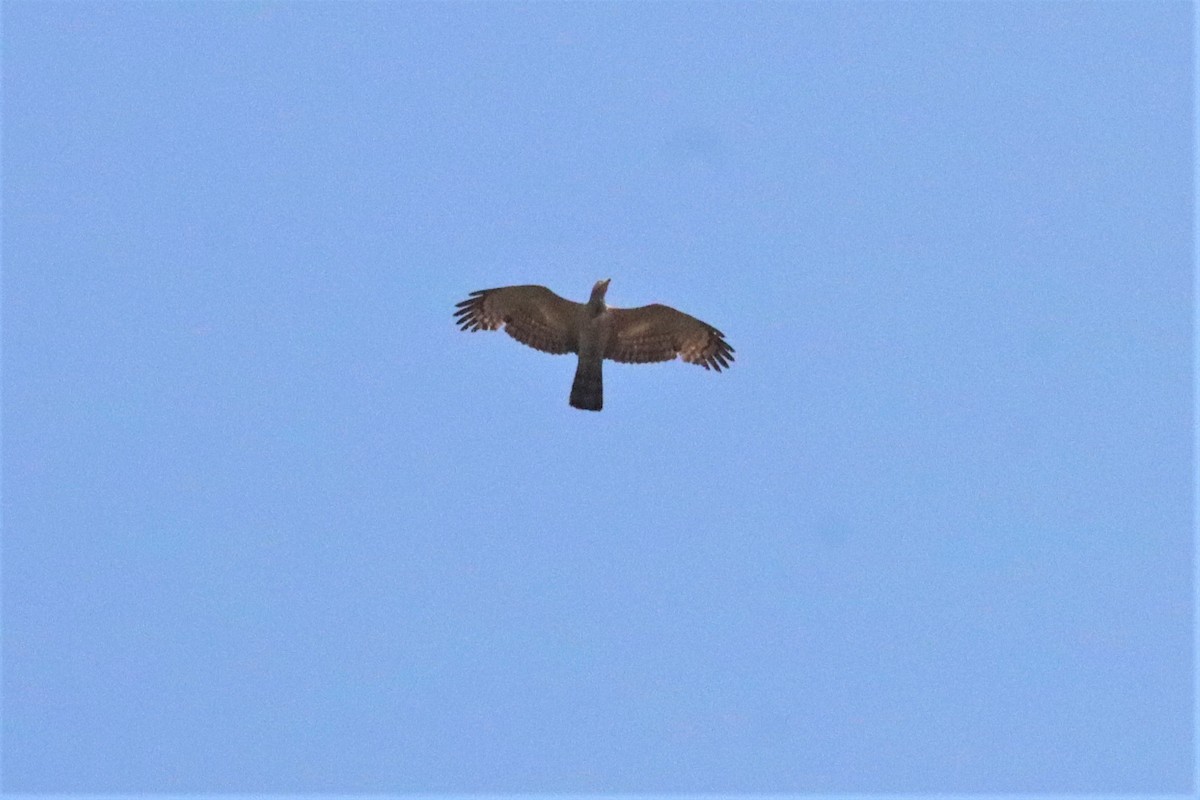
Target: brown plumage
536 316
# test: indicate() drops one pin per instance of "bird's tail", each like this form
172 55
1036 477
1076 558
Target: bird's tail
587 392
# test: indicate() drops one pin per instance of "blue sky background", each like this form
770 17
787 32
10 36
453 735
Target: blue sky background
271 522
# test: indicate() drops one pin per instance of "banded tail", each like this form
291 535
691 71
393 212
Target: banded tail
587 392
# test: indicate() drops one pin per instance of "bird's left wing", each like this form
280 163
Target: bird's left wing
532 315
659 333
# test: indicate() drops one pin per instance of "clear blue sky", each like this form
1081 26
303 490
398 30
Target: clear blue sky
271 522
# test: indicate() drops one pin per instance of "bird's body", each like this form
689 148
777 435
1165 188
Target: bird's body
595 326
536 316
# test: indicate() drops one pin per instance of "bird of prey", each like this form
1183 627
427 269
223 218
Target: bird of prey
536 316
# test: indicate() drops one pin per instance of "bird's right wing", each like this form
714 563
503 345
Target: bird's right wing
659 333
533 315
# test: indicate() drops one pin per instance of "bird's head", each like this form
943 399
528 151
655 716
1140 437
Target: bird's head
599 289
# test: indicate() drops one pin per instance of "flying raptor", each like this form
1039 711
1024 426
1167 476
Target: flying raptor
536 316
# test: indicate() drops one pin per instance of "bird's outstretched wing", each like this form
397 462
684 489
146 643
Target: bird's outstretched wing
532 315
659 333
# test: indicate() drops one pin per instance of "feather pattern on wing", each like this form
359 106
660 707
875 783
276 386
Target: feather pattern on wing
533 315
659 333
